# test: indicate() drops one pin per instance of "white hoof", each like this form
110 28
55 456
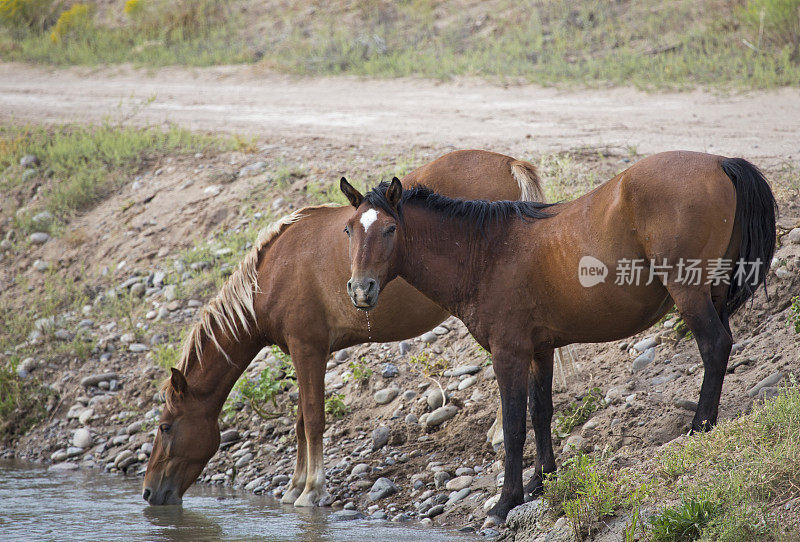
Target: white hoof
491 521
291 495
310 498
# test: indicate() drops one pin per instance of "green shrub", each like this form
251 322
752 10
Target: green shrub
22 15
578 412
334 406
774 22
166 355
73 23
22 402
360 371
257 393
794 314
685 522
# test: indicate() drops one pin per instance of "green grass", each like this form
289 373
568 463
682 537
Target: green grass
685 522
746 468
578 412
649 44
794 315
22 402
82 164
335 407
360 372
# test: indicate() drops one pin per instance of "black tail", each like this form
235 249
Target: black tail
755 214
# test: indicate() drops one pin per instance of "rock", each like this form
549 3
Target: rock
561 531
768 392
172 306
170 292
231 435
782 273
463 370
361 468
386 395
86 416
346 515
389 370
138 347
383 487
440 479
27 364
253 169
428 337
380 437
738 347
525 517
39 238
459 483
82 438
435 399
213 190
62 467
794 236
411 419
124 459
405 347
29 160
244 460
771 380
576 443
95 379
194 304
158 278
138 289
41 266
441 415
441 330
461 471
434 511
643 360
685 404
467 382
645 344
133 428
341 355
457 496
63 335
409 395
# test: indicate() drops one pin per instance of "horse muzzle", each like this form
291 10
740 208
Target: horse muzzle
363 293
161 496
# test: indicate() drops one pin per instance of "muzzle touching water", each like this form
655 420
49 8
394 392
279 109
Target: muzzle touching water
363 293
161 496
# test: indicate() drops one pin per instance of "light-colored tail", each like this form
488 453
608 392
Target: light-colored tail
530 186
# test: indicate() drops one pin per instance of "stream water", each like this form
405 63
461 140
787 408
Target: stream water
37 504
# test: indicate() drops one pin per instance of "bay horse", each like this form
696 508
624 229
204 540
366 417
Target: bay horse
513 272
286 292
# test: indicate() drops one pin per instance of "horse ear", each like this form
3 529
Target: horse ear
394 192
178 381
353 196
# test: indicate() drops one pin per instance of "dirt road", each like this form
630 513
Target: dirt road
405 112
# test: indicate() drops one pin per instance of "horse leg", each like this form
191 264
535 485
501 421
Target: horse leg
309 363
494 437
512 374
298 481
714 341
540 404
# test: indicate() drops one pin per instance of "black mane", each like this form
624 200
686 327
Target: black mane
479 213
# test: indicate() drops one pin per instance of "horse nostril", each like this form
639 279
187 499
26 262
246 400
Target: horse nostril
146 495
350 287
372 285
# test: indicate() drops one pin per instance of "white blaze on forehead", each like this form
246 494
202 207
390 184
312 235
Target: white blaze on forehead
368 218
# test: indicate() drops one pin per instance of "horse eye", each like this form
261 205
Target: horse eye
390 230
347 231
164 427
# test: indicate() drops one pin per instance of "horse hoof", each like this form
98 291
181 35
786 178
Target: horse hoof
291 495
308 499
491 521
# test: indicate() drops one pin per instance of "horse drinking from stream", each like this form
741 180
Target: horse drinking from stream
697 230
287 292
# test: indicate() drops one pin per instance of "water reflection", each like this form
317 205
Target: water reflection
38 504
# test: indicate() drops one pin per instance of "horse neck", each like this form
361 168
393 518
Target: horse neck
215 375
442 258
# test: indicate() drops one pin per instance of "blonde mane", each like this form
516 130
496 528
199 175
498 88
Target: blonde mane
232 310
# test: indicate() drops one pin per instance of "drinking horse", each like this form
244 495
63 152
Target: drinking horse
287 292
513 272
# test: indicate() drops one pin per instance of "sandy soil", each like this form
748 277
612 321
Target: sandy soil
397 113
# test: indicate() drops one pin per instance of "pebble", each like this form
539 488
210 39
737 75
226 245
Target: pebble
133 428
82 438
434 511
95 379
461 471
172 306
411 419
645 344
138 347
29 160
194 304
44 218
576 443
459 483
170 292
341 355
380 437
253 169
389 370
428 337
383 487
643 360
63 335
405 347
467 382
457 496
441 330
435 399
86 416
137 290
409 395
213 190
462 370
62 467
230 435
244 460
440 478
685 404
441 415
386 395
361 468
38 238
794 236
771 380
346 515
41 265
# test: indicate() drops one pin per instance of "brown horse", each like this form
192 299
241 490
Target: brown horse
526 278
287 292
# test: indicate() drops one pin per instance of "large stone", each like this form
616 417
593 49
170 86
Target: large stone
386 395
82 438
39 238
525 517
643 360
380 437
383 487
771 380
794 236
231 435
463 370
170 292
428 337
459 483
441 415
95 379
389 370
645 344
435 399
244 460
467 382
